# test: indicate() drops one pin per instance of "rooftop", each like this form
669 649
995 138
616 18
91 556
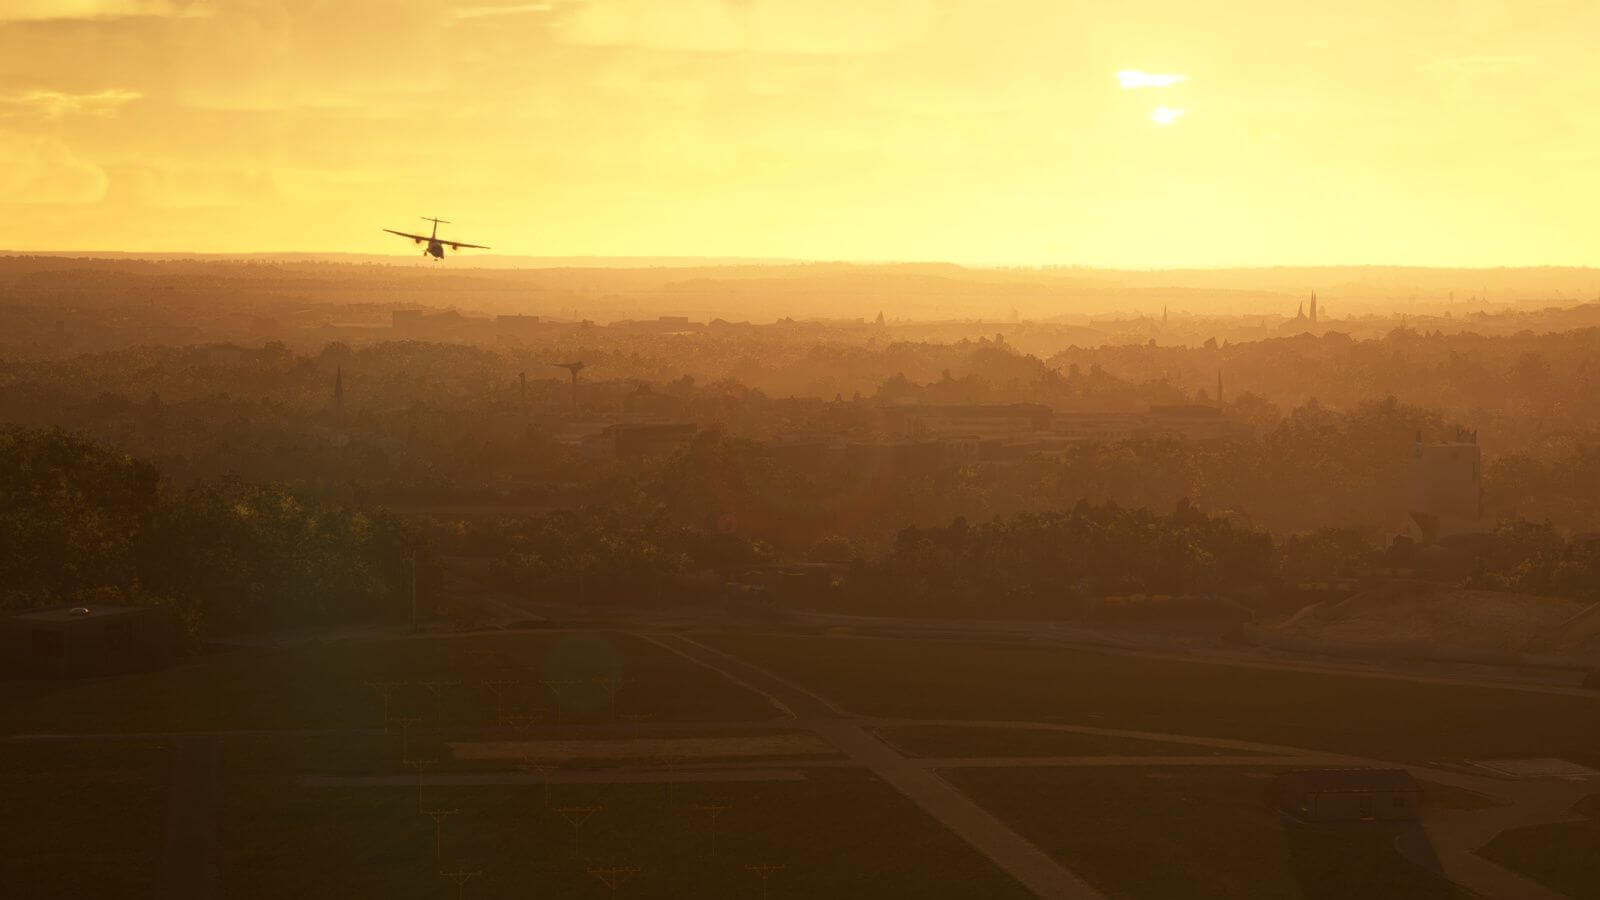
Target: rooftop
67 614
1349 781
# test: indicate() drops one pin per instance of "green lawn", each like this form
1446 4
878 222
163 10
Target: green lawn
1564 856
325 686
80 819
1379 718
959 740
1194 833
841 833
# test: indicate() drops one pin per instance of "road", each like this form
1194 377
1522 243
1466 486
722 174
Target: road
1013 853
1448 842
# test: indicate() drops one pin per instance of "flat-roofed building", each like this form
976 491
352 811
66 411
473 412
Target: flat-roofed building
1195 422
977 420
76 641
1108 426
1350 795
642 440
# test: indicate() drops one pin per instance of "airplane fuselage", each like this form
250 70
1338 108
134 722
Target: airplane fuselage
435 250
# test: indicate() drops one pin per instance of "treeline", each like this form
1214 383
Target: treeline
81 524
1055 564
594 556
1047 564
1314 467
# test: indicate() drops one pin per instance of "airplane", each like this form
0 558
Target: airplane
435 246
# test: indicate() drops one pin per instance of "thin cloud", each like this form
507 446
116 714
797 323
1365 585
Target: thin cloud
58 104
514 9
819 27
49 10
1133 79
45 171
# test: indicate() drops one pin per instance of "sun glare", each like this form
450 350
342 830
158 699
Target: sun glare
1166 115
1133 79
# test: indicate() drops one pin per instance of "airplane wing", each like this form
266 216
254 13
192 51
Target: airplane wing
457 245
415 237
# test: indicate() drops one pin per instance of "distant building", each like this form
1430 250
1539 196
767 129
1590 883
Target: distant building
1106 427
1195 422
1350 795
72 642
978 420
639 441
903 455
406 318
804 451
1447 498
646 402
516 323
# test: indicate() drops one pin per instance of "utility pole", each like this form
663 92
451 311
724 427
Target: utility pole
438 816
385 689
498 688
405 734
713 810
413 593
764 870
613 876
461 879
529 764
576 816
437 689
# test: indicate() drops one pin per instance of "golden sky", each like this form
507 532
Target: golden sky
1156 133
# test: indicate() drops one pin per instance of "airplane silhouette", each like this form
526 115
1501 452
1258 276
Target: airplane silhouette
435 246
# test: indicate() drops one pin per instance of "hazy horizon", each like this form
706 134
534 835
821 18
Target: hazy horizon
493 260
1453 132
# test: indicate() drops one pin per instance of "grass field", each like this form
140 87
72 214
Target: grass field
841 833
1563 856
1193 833
960 740
82 820
595 677
1379 718
87 818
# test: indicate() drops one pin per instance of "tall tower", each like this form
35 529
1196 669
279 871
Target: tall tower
1313 307
574 368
